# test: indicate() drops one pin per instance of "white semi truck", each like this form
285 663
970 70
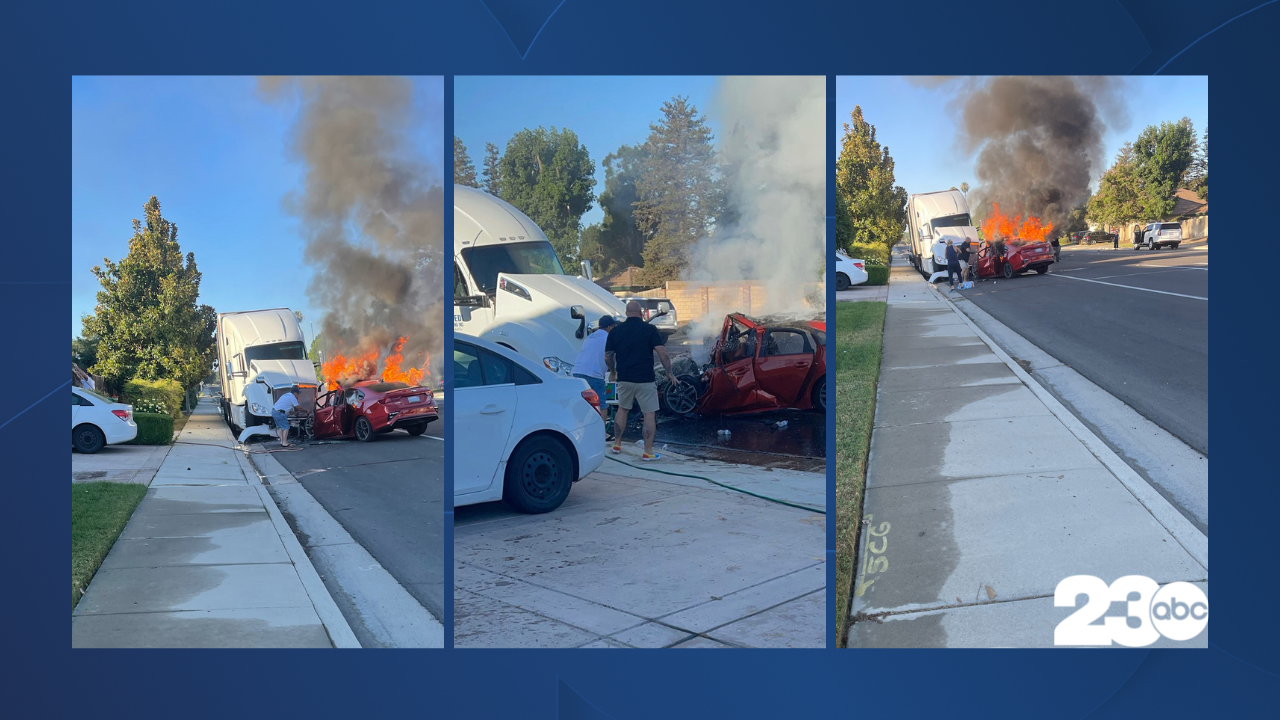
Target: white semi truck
510 289
932 217
261 354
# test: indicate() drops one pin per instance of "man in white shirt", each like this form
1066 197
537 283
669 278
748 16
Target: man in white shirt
589 364
280 413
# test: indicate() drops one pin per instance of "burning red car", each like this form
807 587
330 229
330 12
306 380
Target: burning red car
757 364
370 408
1033 256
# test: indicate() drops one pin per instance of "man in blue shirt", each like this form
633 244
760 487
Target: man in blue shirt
953 265
589 364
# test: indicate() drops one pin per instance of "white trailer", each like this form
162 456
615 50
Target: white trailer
931 218
261 354
510 289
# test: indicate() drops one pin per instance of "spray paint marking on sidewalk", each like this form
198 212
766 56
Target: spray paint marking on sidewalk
876 561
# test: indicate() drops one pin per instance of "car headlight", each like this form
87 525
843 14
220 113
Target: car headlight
558 366
259 410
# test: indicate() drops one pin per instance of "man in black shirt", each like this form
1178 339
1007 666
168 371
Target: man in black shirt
966 252
628 353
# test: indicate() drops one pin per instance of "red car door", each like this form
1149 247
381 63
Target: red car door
324 424
733 386
783 364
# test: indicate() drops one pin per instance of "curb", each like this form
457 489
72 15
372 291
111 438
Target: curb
1187 535
335 624
389 613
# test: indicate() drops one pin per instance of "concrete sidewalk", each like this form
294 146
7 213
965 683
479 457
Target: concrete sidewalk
983 493
640 559
207 561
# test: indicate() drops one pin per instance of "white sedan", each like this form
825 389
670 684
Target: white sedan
521 432
849 272
98 421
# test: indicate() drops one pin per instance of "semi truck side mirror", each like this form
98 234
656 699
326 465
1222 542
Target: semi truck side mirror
586 270
577 313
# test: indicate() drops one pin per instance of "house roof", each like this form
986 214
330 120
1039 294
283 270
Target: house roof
1186 202
624 278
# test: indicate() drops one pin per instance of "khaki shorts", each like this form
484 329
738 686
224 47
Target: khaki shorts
645 393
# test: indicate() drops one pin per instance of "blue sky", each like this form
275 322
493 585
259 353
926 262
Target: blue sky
214 153
605 112
919 127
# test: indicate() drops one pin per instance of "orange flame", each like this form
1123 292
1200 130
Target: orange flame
997 224
341 370
391 371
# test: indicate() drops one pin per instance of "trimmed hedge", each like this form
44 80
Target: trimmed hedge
871 254
168 393
153 429
877 275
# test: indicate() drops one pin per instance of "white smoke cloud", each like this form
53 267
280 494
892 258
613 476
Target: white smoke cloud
772 146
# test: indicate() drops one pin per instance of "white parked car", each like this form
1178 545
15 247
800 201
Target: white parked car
522 433
97 421
1158 235
849 272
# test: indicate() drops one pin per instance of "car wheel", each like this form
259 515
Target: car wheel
842 281
1175 246
683 399
416 430
1007 270
88 439
1042 269
364 429
539 476
820 394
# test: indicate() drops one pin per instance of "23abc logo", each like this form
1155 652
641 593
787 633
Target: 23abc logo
1178 611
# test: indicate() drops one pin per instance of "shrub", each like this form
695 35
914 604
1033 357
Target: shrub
877 275
153 429
871 254
168 393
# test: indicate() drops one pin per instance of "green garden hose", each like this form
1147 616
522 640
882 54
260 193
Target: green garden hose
720 484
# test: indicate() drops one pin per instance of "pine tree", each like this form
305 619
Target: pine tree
147 320
677 196
464 172
492 170
864 178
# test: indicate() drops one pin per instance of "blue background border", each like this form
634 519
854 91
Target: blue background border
1235 676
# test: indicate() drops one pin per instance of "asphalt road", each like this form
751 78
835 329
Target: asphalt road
1135 323
388 494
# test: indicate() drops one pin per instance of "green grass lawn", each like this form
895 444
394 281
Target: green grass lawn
99 512
859 333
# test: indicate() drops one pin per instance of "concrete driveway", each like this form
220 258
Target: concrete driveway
639 559
119 463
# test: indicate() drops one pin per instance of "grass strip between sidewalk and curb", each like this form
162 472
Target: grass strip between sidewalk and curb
99 512
859 336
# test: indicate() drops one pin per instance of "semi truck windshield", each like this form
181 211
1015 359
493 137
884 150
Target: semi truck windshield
961 220
276 351
526 258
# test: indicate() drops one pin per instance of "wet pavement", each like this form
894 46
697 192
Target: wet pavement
753 439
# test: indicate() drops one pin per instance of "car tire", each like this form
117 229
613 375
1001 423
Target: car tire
681 401
88 439
1007 270
539 476
363 429
416 430
1175 246
1042 269
842 281
819 394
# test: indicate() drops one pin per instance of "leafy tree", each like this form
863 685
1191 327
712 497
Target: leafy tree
621 244
84 351
676 193
1198 175
1077 219
548 175
590 248
464 172
1121 196
147 319
864 178
1162 155
492 170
